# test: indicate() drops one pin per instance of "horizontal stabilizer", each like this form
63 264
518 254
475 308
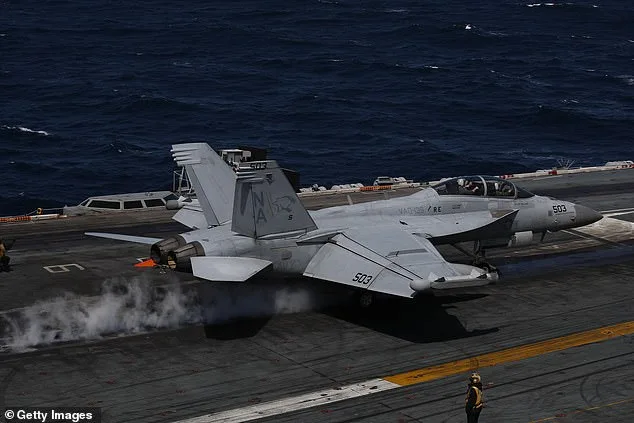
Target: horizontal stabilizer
191 217
127 238
227 269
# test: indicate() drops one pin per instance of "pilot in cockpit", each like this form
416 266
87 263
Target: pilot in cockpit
503 189
469 186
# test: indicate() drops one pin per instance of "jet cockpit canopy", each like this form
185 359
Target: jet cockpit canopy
484 186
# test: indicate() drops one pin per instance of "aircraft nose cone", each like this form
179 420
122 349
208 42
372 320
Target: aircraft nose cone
585 215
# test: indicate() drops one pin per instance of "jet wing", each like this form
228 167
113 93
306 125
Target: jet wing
389 260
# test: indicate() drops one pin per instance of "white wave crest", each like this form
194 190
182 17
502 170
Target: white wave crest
25 129
545 4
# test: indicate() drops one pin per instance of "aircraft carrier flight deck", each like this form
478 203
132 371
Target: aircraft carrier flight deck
552 339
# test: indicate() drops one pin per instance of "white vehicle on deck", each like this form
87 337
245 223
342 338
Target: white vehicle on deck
137 201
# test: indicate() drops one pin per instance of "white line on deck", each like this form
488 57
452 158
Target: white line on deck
299 402
617 213
629 209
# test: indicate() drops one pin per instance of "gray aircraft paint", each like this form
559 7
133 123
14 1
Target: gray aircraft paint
271 229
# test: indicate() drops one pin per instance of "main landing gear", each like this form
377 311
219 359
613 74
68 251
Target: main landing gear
478 255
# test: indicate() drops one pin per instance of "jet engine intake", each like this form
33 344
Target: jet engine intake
521 239
160 250
518 239
179 259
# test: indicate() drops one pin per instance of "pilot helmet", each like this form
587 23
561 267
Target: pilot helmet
461 182
475 378
497 186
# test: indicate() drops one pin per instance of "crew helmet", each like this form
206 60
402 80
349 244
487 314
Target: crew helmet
475 378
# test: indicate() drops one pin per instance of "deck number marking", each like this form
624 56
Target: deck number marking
61 268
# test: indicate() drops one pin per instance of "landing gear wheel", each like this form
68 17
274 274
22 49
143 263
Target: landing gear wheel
480 260
488 267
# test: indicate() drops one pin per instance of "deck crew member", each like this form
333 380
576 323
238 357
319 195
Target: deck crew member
4 258
473 400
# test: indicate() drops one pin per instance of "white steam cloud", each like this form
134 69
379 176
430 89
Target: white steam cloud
228 301
128 307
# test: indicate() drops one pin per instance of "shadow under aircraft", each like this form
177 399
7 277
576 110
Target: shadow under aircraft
425 320
235 311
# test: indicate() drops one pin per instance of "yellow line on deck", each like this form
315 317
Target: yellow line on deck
512 354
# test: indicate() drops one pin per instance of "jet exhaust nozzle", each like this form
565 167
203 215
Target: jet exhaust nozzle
517 239
179 259
160 250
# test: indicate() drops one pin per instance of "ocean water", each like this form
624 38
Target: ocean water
93 93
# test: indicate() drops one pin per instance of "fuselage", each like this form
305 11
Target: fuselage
418 213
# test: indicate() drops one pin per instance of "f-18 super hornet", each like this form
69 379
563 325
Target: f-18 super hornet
481 197
251 221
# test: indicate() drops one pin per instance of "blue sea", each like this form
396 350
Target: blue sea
93 93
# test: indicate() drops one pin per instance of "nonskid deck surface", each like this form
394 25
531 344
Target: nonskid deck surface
143 353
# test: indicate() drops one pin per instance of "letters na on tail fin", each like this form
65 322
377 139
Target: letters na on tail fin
212 179
265 202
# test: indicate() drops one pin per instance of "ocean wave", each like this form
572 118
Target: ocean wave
23 129
147 103
22 202
400 10
564 5
571 113
627 79
111 88
123 147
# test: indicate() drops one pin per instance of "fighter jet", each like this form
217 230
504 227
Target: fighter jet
482 198
384 247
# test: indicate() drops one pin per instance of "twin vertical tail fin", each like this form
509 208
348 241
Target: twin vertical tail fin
266 204
212 179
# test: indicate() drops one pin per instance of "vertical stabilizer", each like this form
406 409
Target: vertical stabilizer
212 179
265 202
